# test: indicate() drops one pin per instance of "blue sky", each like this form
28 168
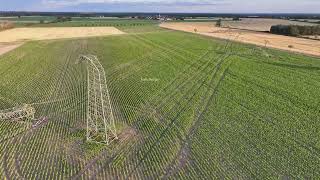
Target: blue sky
202 6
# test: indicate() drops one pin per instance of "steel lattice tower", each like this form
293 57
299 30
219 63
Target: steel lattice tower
20 113
100 120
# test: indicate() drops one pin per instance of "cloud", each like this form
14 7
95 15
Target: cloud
62 3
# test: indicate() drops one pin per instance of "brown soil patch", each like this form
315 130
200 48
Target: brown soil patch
127 134
300 45
6 47
22 34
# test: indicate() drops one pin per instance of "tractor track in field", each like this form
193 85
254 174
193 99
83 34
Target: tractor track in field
179 82
17 161
17 167
163 99
107 160
160 49
172 123
90 165
149 44
172 52
21 138
167 46
5 167
196 76
184 81
206 100
163 47
161 136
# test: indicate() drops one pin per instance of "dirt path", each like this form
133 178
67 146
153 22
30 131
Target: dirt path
6 47
300 45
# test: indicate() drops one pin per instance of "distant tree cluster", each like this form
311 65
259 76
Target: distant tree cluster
6 25
180 18
295 30
63 19
219 23
236 19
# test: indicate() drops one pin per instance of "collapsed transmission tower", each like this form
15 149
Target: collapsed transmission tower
22 113
100 119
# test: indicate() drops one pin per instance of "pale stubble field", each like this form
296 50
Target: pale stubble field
13 38
300 45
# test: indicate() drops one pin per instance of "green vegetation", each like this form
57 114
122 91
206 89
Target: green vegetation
295 30
93 23
194 108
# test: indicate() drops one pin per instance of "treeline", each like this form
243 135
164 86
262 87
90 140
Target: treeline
62 19
295 30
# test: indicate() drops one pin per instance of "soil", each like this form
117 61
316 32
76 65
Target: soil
127 134
299 45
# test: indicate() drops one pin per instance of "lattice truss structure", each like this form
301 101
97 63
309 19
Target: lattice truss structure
24 113
100 120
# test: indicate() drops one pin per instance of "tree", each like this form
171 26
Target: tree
294 31
63 19
219 23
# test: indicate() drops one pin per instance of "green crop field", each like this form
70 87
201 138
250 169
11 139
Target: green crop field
49 21
27 18
95 22
186 107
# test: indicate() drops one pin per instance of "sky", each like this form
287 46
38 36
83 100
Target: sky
186 6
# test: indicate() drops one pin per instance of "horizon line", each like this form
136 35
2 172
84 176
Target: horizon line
128 12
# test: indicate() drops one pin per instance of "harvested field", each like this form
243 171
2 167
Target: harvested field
5 47
22 34
305 46
261 24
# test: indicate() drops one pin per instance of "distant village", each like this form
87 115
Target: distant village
159 17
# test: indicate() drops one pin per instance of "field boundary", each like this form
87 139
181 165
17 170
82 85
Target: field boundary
309 45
